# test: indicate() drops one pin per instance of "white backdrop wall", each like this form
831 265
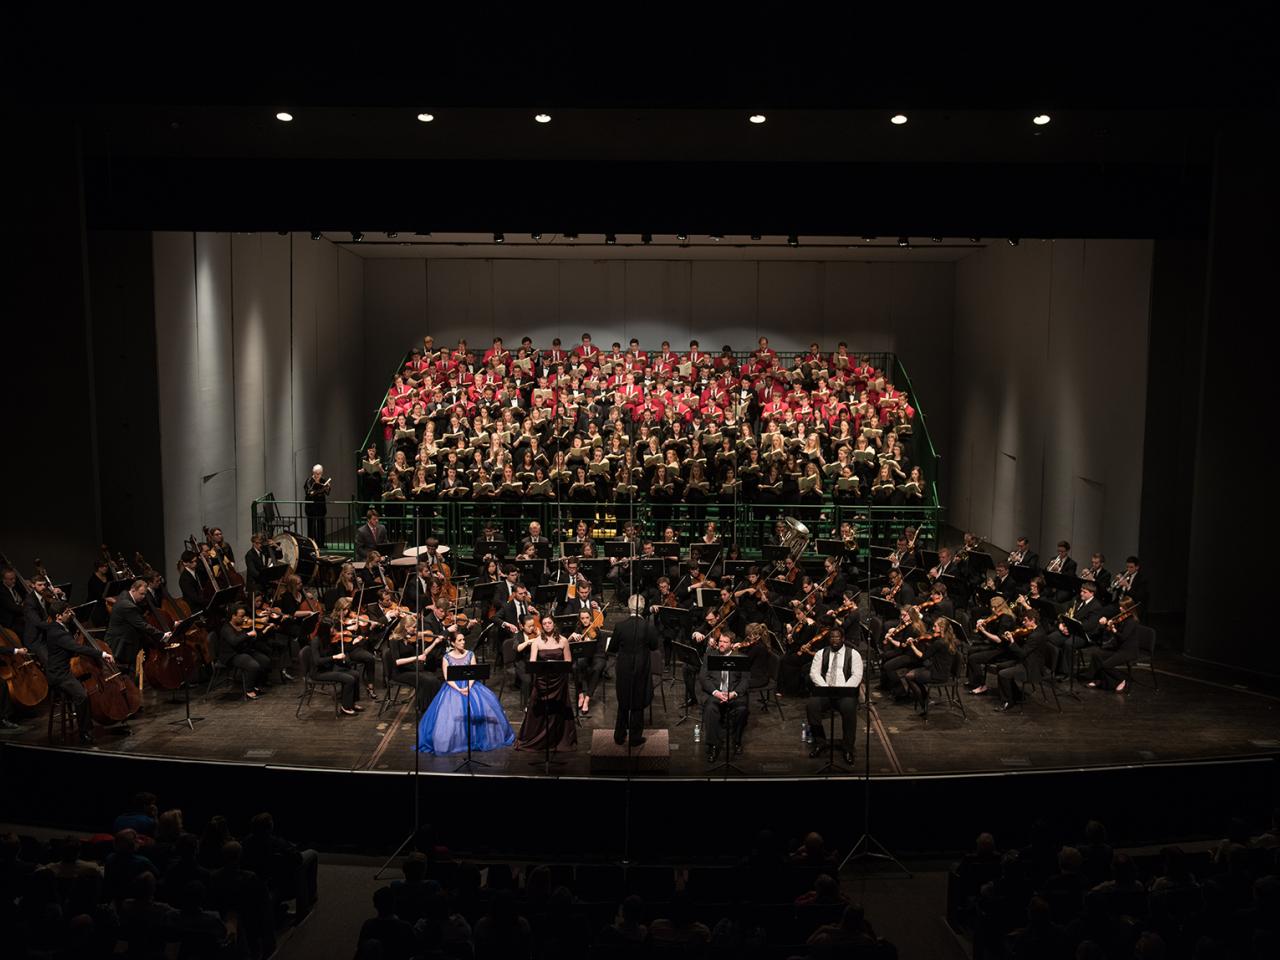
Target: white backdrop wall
1051 377
259 342
903 307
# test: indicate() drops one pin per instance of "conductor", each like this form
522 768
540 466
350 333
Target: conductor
634 642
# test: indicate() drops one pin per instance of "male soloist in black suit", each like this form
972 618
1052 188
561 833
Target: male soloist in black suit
724 701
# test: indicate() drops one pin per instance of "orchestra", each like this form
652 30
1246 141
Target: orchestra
682 434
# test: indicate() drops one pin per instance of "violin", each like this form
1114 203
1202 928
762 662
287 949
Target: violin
812 645
1013 636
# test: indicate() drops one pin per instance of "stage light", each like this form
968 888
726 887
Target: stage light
682 237
793 240
1040 119
755 236
717 237
284 116
898 118
426 117
499 237
904 241
392 234
1013 241
610 238
646 238
868 239
975 239
315 234
535 236
936 239
543 117
757 118
356 236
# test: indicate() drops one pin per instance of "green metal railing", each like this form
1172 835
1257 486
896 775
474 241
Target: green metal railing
459 523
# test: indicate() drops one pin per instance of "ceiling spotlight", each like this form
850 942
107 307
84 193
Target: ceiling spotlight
426 117
682 237
755 236
284 116
936 239
610 238
793 240
356 236
904 241
535 236
717 237
1013 241
646 238
499 237
757 118
392 234
898 118
1040 119
315 234
543 117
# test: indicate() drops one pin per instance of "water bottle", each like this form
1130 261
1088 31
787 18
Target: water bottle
697 733
804 732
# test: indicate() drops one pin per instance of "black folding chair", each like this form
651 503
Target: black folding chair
1147 648
310 684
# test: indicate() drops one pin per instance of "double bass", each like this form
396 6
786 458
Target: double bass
21 672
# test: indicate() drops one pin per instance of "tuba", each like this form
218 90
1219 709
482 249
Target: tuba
796 537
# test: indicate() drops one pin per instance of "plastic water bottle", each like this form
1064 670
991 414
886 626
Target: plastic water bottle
697 733
804 732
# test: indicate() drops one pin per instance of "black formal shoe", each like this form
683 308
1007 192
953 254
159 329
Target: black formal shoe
287 677
9 725
848 757
1004 707
637 742
619 740
817 750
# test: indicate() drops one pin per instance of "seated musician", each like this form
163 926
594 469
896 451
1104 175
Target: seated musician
1119 647
238 646
993 645
329 658
354 630
59 648
1088 612
589 670
414 657
837 665
935 658
724 701
221 555
1032 657
898 591
260 558
938 605
895 657
128 633
301 612
189 581
6 702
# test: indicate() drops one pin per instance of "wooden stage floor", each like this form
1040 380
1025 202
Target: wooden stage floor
1197 714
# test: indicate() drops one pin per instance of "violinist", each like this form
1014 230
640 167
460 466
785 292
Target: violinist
1031 654
352 630
128 633
589 670
993 647
59 649
329 654
413 658
1119 648
301 612
753 599
834 582
238 648
895 656
345 586
189 580
898 591
938 606
934 661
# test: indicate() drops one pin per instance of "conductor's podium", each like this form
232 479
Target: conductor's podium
652 756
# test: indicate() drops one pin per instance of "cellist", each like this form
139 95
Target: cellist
6 702
59 649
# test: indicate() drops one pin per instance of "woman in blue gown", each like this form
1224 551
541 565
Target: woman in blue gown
443 729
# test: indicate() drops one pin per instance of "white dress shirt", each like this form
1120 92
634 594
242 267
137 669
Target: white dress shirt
834 675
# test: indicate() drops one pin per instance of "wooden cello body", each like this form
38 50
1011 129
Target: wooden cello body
21 673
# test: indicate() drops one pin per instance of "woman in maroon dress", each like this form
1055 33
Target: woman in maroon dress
550 711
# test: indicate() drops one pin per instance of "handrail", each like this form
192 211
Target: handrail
906 384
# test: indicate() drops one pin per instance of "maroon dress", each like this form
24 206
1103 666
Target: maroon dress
550 714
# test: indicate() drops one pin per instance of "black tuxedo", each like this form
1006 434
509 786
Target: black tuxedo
417 592
256 562
128 632
11 614
57 650
1032 656
716 715
190 589
367 539
1138 590
634 642
35 614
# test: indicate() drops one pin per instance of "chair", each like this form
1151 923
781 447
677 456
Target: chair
221 673
1048 675
310 684
949 685
767 685
60 706
1147 648
394 686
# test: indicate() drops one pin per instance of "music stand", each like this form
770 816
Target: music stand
571 548
1063 583
669 550
469 673
717 663
551 593
707 596
833 694
774 552
619 549
886 609
689 655
497 547
830 548
224 596
531 571
738 569
547 668
180 629
651 568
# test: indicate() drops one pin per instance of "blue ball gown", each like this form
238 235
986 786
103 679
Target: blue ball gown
443 729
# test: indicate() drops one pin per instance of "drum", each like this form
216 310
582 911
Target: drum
300 555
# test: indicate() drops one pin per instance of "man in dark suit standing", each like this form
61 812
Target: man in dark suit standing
260 558
35 612
189 582
369 535
634 642
724 700
128 632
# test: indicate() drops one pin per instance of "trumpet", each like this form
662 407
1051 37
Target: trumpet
1121 582
1015 557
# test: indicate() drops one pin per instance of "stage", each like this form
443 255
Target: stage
1198 713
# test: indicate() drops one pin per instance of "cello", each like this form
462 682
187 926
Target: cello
21 673
222 556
